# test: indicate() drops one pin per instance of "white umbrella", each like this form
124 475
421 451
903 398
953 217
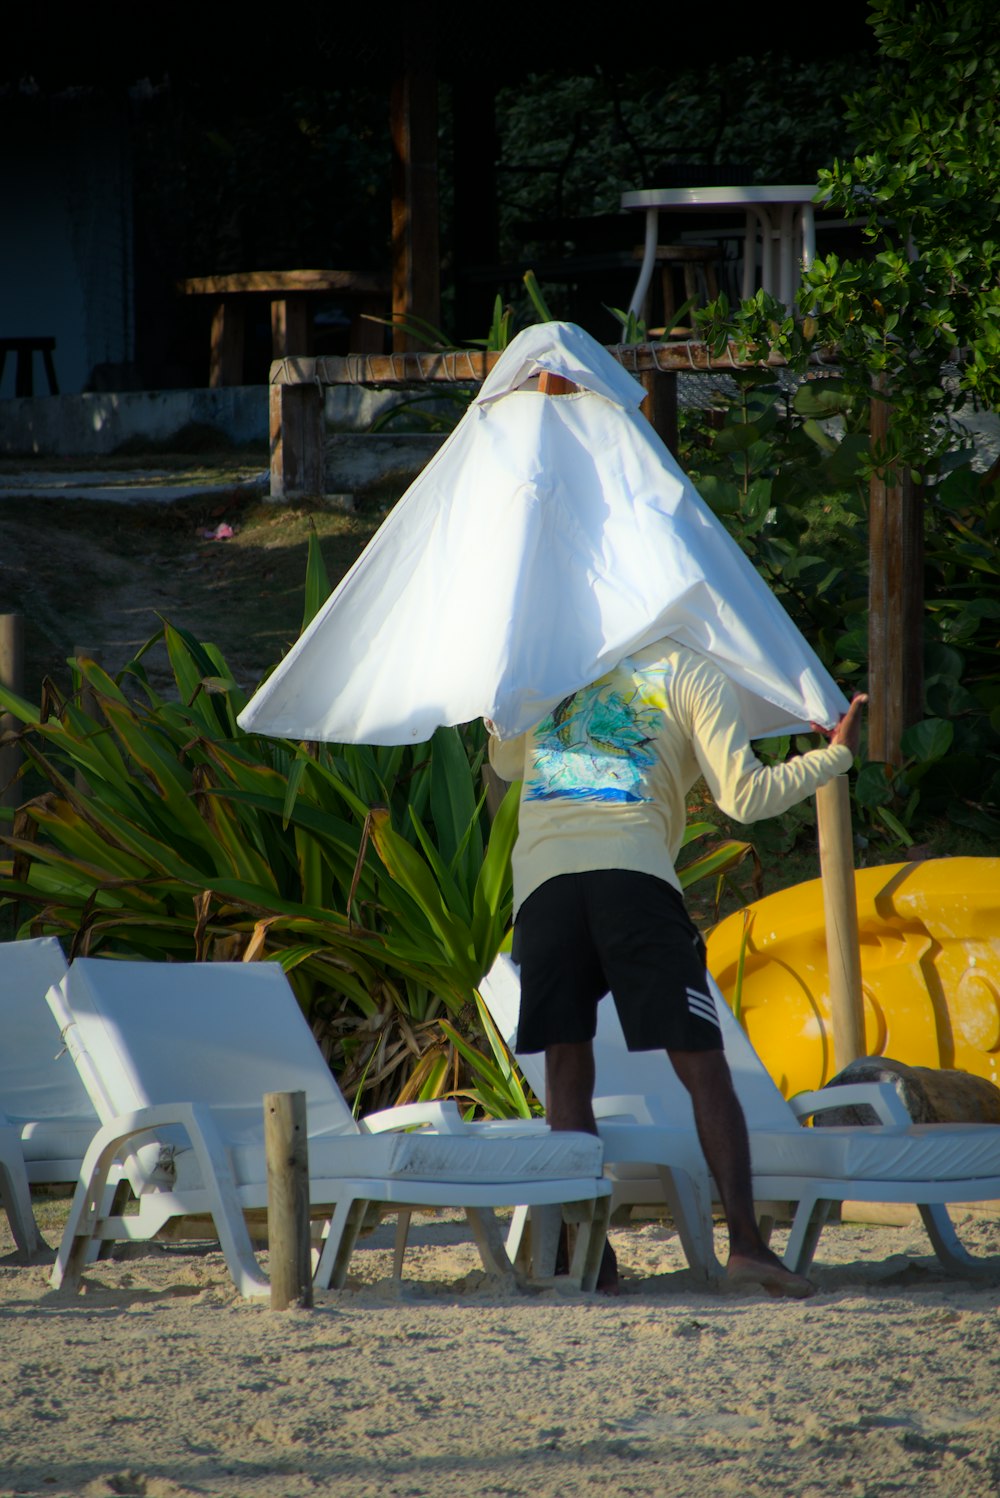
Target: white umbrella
547 539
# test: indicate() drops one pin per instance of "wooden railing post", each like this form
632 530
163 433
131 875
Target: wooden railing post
296 414
660 405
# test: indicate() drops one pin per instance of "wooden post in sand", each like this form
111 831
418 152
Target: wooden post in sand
843 951
287 1153
12 677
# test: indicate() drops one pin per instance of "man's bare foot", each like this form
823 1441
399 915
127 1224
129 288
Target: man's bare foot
607 1276
770 1274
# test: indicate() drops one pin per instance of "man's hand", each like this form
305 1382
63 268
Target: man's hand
848 730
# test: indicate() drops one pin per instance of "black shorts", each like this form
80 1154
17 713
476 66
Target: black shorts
580 936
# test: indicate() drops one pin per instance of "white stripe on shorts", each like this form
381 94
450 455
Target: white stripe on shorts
702 1006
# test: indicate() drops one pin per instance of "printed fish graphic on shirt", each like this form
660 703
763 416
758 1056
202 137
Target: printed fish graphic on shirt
593 746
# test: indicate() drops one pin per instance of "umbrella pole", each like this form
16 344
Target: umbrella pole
555 384
840 905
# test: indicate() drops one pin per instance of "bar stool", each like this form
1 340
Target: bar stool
26 349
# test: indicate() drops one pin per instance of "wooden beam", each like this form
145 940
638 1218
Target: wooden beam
297 423
461 367
277 282
469 367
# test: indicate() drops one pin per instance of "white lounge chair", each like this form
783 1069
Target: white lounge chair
176 1059
46 1117
644 1115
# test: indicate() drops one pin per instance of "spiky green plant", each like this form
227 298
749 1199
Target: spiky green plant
372 874
166 832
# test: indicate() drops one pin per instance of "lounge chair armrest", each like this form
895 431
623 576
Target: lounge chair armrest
114 1136
118 1131
881 1096
442 1117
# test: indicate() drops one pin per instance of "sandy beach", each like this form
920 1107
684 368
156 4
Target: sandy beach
158 1380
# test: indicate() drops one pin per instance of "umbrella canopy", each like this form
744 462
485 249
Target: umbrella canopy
549 537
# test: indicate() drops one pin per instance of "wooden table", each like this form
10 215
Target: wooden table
289 292
780 217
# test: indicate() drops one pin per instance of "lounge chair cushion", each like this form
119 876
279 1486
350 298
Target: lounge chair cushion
922 1152
48 1139
479 1159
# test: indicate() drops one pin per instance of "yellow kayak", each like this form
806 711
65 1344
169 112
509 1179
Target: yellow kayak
930 970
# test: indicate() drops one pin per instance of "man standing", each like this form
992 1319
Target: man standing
597 898
597 544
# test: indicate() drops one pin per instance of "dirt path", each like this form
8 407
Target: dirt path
102 575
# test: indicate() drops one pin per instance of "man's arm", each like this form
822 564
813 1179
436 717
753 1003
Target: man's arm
741 786
507 755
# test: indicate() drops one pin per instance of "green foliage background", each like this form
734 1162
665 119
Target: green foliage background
786 470
569 146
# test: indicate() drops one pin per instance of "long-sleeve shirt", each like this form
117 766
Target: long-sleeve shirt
606 774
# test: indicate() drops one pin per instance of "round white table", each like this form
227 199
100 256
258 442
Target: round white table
781 217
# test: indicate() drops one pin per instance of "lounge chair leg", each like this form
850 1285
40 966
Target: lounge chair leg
80 1243
591 1236
689 1201
84 1231
765 1226
15 1197
809 1221
402 1234
489 1241
518 1238
115 1200
345 1225
227 1211
941 1232
545 1228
